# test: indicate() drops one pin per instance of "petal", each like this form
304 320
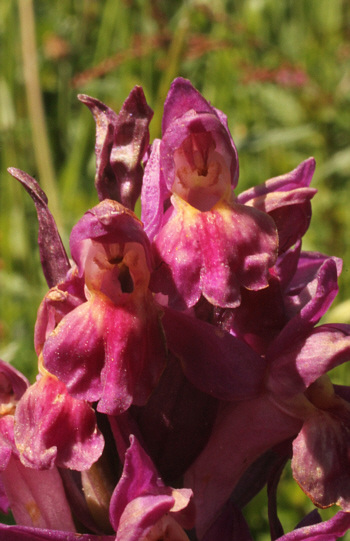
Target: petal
52 427
75 350
300 177
141 515
106 120
72 482
139 477
53 257
260 317
310 519
12 387
287 265
330 530
4 502
229 526
214 361
223 119
175 412
57 303
260 470
12 382
154 193
135 356
181 98
37 498
307 308
243 431
287 200
110 353
121 141
276 527
131 140
109 222
140 499
306 359
239 246
196 124
165 528
343 391
178 257
213 253
7 441
320 462
309 265
291 211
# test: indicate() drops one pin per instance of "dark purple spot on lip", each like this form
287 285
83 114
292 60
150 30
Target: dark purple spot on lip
125 279
115 260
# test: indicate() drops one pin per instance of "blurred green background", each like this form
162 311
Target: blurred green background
279 70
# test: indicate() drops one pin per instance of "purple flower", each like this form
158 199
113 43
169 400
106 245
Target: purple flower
264 315
183 351
287 200
105 314
205 243
53 257
54 428
108 347
321 462
142 507
121 142
293 402
35 498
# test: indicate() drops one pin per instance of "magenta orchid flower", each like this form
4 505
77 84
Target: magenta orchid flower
37 499
299 356
54 428
204 242
117 328
183 351
287 200
121 142
120 330
142 507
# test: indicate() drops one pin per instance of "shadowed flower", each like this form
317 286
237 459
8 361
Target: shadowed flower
143 508
296 359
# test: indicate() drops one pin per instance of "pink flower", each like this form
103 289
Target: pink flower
205 243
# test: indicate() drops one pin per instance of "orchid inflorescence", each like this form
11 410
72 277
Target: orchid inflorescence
180 365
